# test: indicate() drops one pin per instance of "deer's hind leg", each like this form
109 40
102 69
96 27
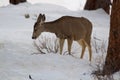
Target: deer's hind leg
82 43
61 43
89 49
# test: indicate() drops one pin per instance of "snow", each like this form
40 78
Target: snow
17 60
70 4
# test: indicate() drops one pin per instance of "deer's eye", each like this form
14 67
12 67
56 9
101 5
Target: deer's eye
35 29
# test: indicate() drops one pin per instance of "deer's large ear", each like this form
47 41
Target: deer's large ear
43 17
39 18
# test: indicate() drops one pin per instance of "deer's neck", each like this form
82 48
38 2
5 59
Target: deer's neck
50 27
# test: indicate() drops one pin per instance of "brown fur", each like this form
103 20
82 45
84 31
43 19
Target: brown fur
67 27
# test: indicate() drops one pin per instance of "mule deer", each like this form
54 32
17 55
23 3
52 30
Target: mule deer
67 27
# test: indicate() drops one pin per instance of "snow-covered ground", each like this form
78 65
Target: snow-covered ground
70 4
17 60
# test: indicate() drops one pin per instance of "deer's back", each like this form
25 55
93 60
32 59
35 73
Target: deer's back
75 27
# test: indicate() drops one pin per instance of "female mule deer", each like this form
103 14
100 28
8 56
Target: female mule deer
67 27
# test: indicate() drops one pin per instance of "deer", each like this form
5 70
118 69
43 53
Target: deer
66 27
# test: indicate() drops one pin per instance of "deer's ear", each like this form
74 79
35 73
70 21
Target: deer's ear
40 15
43 17
39 18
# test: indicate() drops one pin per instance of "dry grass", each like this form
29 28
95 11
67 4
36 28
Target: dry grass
97 73
100 46
47 44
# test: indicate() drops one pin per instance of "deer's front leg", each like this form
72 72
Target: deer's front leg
69 45
61 43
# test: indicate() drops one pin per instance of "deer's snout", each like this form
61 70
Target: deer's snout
33 37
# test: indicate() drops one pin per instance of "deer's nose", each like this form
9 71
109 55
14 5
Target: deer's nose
33 38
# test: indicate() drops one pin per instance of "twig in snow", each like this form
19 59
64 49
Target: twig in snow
38 48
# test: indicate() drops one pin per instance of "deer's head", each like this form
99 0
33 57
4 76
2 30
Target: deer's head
38 26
